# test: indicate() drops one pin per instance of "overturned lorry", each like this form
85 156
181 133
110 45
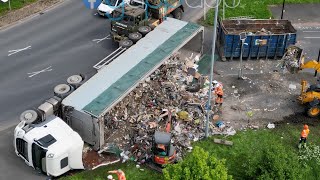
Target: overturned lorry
83 104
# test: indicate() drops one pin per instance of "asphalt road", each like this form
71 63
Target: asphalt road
49 48
306 20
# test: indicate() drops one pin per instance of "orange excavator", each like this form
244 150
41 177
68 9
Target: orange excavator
163 152
309 96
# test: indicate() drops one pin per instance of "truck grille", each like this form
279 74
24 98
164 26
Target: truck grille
22 147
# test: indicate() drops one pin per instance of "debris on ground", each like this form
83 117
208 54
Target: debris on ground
222 141
271 126
177 87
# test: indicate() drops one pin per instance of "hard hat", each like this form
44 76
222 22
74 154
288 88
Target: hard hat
214 82
306 126
110 177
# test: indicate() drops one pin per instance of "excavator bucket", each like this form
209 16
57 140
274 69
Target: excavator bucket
293 59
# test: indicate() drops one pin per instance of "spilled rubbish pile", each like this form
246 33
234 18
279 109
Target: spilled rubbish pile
175 87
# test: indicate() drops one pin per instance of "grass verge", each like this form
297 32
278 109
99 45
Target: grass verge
255 142
15 4
129 168
257 9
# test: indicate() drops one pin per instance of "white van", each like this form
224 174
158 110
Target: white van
107 6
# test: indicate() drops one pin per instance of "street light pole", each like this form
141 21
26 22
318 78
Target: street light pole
211 69
242 37
283 3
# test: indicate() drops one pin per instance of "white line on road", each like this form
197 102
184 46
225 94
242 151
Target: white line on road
38 72
312 37
99 40
11 52
312 31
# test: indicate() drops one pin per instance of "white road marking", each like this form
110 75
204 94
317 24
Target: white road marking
312 31
99 40
11 52
312 37
38 72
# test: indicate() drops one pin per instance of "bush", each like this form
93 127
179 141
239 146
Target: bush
197 165
273 161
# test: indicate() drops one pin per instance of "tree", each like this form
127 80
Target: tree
197 165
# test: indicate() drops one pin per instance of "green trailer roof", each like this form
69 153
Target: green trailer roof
100 93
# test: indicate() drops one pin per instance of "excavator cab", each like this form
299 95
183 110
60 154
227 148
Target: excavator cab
163 151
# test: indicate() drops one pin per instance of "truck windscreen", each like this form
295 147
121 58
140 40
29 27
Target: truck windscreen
110 2
38 157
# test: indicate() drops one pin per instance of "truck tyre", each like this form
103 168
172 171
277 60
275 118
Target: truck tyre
144 30
62 90
177 13
313 111
29 116
135 37
75 80
125 43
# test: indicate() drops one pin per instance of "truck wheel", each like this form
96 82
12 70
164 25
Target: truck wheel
75 80
177 13
62 90
313 111
135 36
144 30
125 43
29 116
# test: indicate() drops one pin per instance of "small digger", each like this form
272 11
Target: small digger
163 152
309 96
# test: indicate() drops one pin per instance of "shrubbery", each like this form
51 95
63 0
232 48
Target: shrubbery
197 165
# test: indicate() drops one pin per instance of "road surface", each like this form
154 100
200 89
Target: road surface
37 55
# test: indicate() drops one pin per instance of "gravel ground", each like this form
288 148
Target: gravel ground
26 11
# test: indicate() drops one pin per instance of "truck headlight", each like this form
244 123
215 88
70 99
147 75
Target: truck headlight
50 155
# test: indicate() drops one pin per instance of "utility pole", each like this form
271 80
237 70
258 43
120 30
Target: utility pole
204 11
283 2
243 37
9 5
223 10
211 69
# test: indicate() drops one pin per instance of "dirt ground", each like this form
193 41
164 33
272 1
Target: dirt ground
29 10
263 96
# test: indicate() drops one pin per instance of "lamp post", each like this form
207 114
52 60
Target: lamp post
243 37
211 69
283 3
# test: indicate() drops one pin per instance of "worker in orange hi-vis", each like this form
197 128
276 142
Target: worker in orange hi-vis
304 135
218 91
120 174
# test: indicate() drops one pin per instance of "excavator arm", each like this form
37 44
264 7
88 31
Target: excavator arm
312 64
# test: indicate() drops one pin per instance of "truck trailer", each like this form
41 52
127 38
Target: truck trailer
79 107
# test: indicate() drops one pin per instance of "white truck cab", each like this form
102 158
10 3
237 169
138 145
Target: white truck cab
107 6
51 146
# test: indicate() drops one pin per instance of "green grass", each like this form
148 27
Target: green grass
15 4
284 135
257 140
130 170
257 8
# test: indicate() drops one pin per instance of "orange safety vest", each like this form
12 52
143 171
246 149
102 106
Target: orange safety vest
218 90
305 133
121 175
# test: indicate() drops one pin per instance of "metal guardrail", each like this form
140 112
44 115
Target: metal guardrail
109 58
